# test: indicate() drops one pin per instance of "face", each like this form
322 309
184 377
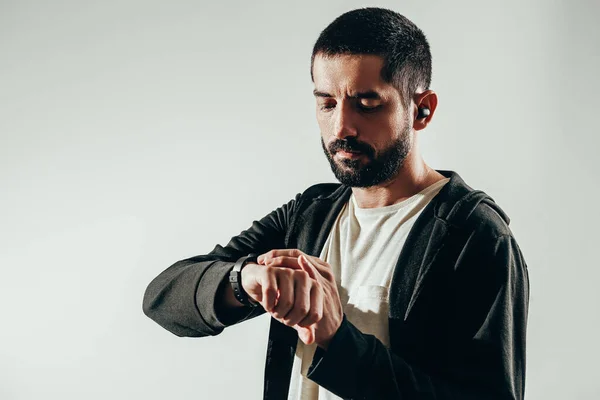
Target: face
365 131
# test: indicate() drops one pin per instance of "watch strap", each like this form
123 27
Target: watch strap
235 279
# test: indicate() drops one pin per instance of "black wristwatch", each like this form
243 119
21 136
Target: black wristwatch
235 278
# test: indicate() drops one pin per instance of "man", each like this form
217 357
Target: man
402 281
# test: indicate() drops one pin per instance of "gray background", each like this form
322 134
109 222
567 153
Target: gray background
137 133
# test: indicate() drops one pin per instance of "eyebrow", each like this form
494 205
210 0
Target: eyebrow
369 94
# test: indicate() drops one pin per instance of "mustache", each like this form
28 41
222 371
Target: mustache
351 145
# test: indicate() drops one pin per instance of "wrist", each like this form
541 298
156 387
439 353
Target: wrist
324 342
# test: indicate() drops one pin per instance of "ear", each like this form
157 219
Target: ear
427 99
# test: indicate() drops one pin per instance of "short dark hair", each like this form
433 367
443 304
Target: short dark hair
379 31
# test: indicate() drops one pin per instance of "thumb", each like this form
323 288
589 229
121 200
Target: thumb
306 334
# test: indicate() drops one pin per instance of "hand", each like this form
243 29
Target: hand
324 311
288 293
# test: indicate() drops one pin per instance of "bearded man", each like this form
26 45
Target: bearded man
401 281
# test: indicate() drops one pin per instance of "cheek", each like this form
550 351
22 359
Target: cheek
392 125
324 124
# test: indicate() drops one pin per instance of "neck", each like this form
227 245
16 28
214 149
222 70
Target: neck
413 177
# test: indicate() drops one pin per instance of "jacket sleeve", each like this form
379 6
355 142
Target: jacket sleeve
488 363
182 298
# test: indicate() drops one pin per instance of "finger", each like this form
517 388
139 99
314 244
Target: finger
302 306
306 334
307 266
320 266
266 257
315 314
285 302
269 292
261 258
284 262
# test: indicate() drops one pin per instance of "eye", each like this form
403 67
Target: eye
368 108
326 106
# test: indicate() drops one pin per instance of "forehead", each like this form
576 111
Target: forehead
347 74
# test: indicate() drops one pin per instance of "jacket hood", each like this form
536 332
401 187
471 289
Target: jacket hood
457 200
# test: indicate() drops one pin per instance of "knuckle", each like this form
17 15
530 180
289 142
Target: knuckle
267 271
301 275
284 304
319 315
291 316
284 273
277 315
313 316
303 309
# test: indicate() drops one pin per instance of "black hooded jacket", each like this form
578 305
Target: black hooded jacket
458 301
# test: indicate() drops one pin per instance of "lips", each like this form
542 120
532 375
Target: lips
349 154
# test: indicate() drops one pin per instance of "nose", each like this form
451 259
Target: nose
344 123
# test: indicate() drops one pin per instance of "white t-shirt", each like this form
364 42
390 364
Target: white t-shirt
362 248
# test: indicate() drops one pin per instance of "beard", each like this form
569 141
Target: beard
378 168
